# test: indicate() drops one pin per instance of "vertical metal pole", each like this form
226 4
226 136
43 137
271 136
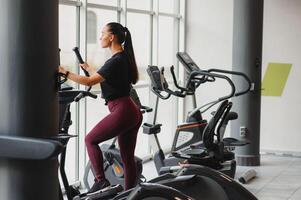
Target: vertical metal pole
119 10
151 42
151 28
156 111
77 126
29 101
182 47
125 12
176 45
247 54
81 107
154 122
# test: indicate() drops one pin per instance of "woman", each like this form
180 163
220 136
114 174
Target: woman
115 78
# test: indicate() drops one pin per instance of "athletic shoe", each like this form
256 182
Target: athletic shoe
98 185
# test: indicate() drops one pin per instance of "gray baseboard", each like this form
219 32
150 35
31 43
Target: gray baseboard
280 153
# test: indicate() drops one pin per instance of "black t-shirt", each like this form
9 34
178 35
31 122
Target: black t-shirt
116 72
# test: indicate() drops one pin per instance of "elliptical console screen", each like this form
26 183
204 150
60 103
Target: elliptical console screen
155 76
187 61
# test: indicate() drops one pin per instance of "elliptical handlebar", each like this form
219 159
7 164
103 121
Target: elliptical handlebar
181 92
84 94
158 82
87 93
213 76
207 74
193 69
158 93
244 76
80 60
172 70
190 66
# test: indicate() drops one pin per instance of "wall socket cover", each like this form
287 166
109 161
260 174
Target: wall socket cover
243 131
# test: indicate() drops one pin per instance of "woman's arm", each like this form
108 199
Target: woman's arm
93 79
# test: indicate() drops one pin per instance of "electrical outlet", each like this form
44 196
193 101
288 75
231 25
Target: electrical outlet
252 87
243 131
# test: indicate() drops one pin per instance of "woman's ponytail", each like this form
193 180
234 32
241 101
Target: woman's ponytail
129 50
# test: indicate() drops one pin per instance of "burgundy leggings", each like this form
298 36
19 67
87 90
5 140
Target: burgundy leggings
123 121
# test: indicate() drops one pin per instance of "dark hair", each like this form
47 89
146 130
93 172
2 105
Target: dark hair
124 36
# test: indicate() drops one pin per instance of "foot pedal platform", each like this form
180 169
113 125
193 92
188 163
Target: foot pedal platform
104 193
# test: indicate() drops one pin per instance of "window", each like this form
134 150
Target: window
67 40
67 36
167 6
104 2
91 26
139 26
138 4
96 56
166 46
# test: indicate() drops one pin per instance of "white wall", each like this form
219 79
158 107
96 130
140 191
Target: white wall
209 42
280 127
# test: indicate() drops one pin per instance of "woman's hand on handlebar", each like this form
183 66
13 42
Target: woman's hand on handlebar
85 66
88 68
62 70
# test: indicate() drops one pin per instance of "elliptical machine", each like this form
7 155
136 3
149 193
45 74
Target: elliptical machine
216 155
194 118
144 191
68 95
159 85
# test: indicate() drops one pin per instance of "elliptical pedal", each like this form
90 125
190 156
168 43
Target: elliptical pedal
104 193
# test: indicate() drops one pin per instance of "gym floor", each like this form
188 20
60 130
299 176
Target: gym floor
278 177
